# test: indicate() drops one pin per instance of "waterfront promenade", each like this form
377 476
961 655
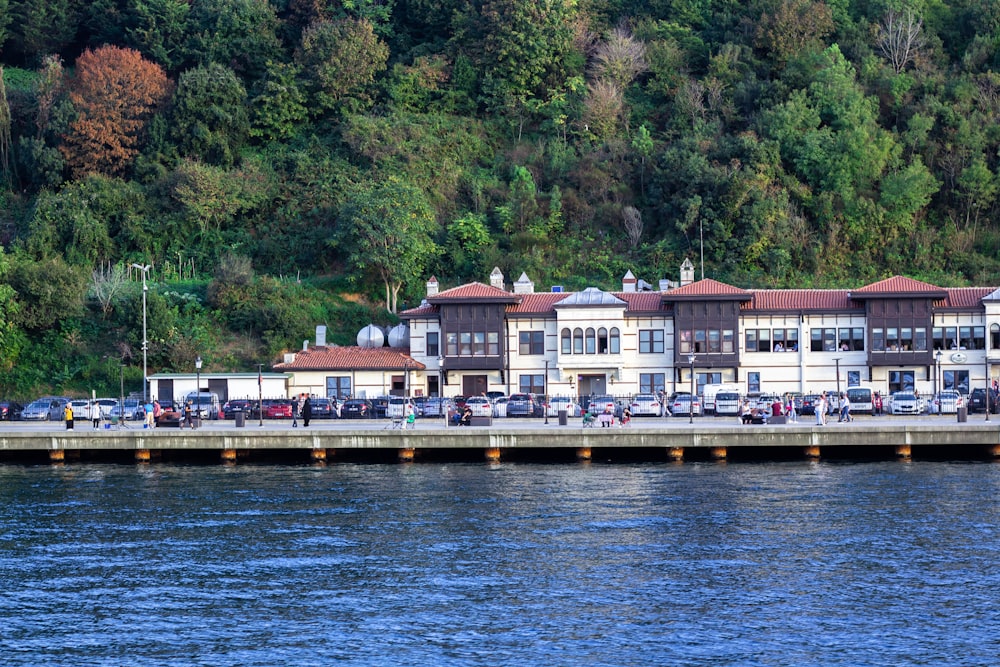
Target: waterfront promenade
668 438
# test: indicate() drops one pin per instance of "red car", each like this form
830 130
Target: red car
278 409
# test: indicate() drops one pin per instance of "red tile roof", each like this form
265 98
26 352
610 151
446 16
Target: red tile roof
898 285
965 298
351 358
802 300
643 302
539 303
477 291
423 310
706 288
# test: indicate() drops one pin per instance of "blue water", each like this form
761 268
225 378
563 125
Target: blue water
654 564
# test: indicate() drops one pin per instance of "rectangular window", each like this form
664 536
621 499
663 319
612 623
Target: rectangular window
714 343
853 378
479 344
830 340
858 339
951 338
700 344
779 340
753 382
651 383
750 336
816 340
792 340
338 386
531 384
531 342
685 342
938 334
433 344
651 341
956 380
465 344
452 345
727 341
978 338
892 339
920 339
493 344
906 339
878 340
965 338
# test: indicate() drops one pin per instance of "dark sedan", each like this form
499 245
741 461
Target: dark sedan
10 410
322 408
808 404
357 408
230 409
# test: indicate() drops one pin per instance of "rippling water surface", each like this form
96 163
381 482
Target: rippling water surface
714 564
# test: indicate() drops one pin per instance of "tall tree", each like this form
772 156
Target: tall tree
340 60
385 230
115 92
210 119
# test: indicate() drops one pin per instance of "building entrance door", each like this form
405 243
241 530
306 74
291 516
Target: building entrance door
593 385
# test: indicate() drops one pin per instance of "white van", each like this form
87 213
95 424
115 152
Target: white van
396 409
709 391
206 403
860 399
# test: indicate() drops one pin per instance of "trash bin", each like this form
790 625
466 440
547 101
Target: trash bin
241 419
963 414
563 414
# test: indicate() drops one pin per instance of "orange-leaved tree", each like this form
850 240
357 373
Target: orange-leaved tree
115 93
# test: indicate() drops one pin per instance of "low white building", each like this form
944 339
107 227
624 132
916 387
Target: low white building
176 386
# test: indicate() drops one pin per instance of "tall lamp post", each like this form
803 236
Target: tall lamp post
197 389
937 381
145 343
989 390
444 408
260 395
691 402
545 391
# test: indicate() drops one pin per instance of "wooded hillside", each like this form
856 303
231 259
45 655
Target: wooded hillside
298 162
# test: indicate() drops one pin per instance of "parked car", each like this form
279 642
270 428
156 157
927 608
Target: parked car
206 402
499 406
525 405
322 408
599 404
230 408
558 403
278 408
81 409
10 410
727 404
396 407
685 405
646 405
905 403
132 409
357 408
380 406
47 408
946 402
808 404
480 405
977 401
436 407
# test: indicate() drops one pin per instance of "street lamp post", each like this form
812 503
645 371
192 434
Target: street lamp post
145 343
444 409
937 381
691 401
260 395
545 391
837 362
988 388
197 389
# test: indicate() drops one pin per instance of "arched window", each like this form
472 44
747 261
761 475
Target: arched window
613 340
577 341
591 341
602 341
566 341
995 336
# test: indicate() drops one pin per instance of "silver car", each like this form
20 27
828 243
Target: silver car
47 408
905 403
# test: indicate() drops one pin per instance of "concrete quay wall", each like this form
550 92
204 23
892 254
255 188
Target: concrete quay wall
718 439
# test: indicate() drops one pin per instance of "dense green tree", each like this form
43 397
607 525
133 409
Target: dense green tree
386 231
47 290
39 28
210 122
241 34
279 106
158 29
340 60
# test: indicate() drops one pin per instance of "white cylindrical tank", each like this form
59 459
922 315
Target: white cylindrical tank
399 336
371 336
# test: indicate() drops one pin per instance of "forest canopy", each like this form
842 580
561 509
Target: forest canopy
255 152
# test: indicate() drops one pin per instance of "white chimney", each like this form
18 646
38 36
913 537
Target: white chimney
496 278
628 282
305 345
687 272
289 357
523 285
320 335
432 286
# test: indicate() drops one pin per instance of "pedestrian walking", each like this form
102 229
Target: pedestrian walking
820 408
295 411
307 411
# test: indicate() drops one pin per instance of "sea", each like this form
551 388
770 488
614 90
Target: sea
766 563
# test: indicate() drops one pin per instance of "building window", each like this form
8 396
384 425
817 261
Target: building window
714 342
433 344
957 380
614 341
651 341
591 340
892 339
685 344
759 340
473 344
920 339
995 336
531 342
531 384
901 381
577 341
566 342
651 383
727 341
878 340
978 338
602 341
852 339
338 386
753 382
